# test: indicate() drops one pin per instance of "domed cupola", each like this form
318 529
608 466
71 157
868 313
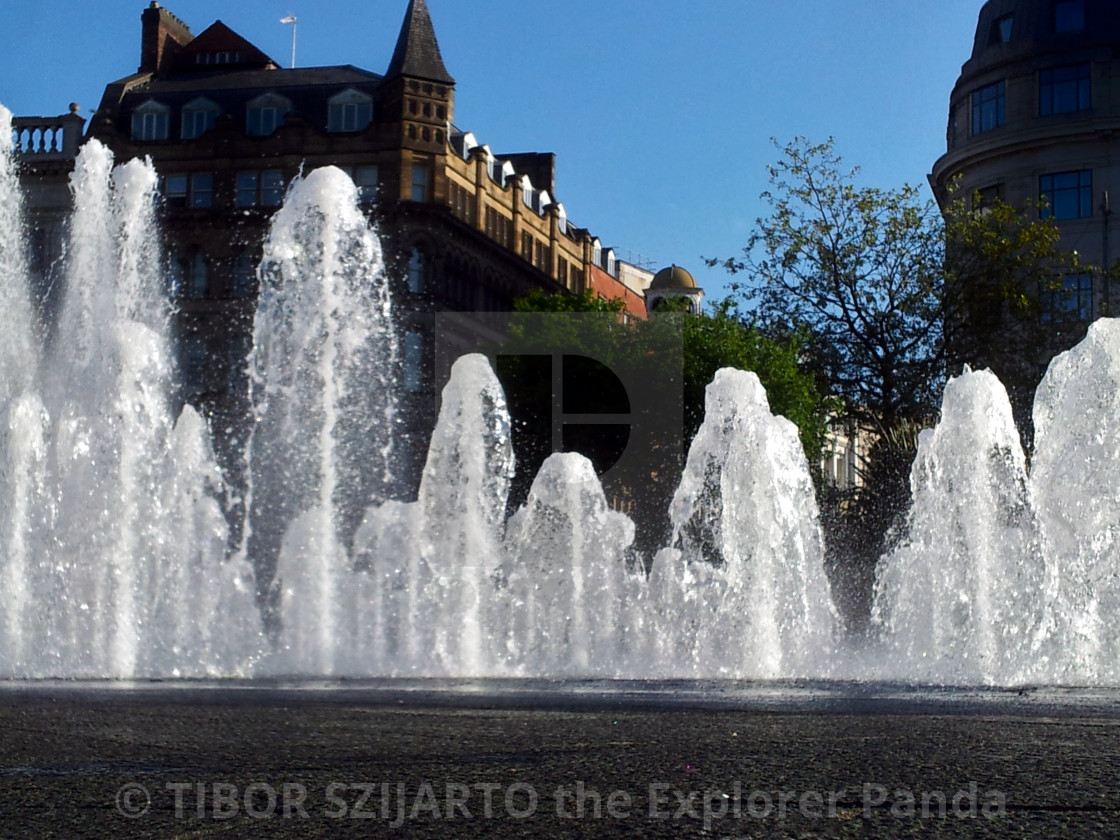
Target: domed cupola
674 282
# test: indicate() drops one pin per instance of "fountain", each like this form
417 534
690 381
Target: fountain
115 556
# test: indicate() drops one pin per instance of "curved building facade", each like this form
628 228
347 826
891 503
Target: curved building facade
1035 116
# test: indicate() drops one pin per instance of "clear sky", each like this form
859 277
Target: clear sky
660 111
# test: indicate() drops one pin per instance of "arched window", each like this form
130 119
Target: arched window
150 121
199 116
349 111
265 114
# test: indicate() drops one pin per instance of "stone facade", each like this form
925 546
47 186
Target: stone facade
1035 117
464 229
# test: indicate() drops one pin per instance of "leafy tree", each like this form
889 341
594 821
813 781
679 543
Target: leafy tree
859 268
892 294
538 300
1001 263
722 339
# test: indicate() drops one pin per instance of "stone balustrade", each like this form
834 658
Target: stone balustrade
48 138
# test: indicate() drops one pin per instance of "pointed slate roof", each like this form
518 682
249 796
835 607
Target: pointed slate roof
417 53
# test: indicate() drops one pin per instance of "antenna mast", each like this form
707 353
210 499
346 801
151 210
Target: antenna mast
292 20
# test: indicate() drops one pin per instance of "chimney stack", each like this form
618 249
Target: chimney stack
163 36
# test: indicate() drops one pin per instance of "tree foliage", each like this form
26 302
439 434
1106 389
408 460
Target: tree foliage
860 269
1002 264
722 339
707 344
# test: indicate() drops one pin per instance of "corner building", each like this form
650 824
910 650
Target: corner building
464 229
1035 116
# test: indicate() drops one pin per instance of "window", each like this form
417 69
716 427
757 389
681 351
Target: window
175 190
349 111
265 114
498 226
196 277
1071 300
244 276
237 362
194 355
413 361
150 121
577 281
366 179
461 201
1063 89
224 57
416 272
202 189
1001 30
987 108
260 189
198 118
419 182
174 275
1066 195
527 245
985 197
195 190
1069 15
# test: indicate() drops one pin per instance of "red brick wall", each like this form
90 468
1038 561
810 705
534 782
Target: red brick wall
607 286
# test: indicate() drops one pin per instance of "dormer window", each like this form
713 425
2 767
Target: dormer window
265 114
1001 30
150 121
199 116
349 111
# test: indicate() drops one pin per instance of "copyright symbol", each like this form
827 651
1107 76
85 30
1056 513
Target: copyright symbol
133 800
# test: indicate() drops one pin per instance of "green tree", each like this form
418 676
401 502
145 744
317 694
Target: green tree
1002 263
892 294
860 269
709 343
722 339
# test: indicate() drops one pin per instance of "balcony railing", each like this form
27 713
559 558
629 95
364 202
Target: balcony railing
47 139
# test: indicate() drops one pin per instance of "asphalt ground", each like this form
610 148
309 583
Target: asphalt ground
472 759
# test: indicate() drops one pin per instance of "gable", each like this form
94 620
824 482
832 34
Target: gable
220 45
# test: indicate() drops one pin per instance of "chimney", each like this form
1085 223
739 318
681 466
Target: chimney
163 36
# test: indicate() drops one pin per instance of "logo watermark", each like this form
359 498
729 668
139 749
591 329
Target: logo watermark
396 803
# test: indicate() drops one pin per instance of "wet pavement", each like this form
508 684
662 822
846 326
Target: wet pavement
499 759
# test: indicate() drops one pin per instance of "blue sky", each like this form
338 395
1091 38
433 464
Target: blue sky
660 111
